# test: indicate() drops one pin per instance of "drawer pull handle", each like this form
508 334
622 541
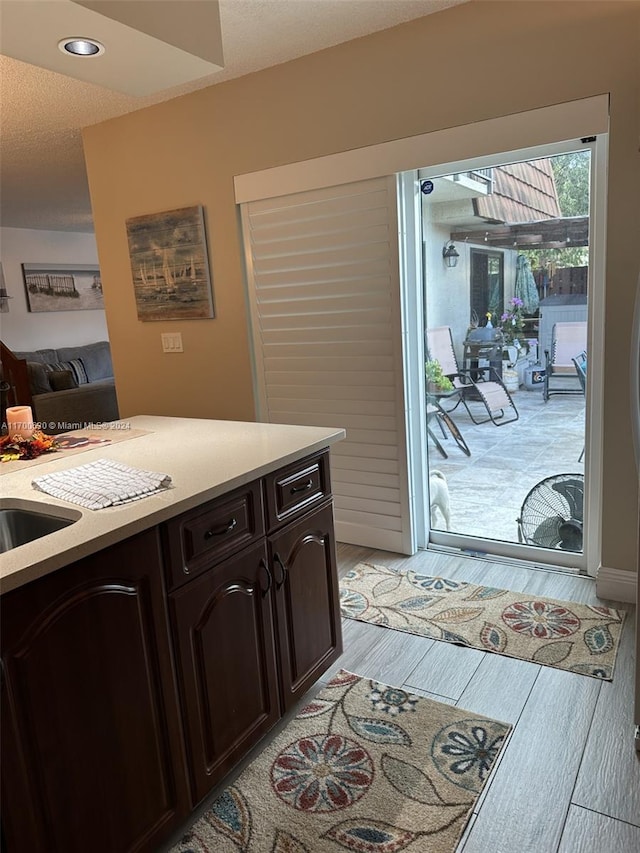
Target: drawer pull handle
305 488
277 559
263 564
222 530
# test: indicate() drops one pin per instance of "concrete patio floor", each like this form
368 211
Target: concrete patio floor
487 488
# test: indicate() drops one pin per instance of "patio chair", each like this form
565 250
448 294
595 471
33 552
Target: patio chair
477 385
568 340
580 364
435 411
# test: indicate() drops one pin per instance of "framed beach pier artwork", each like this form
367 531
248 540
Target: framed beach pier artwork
63 287
169 265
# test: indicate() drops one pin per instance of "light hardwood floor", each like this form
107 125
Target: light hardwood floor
568 779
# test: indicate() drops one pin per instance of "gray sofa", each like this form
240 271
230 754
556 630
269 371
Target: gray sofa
71 387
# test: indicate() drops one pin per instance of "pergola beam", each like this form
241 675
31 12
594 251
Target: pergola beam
545 234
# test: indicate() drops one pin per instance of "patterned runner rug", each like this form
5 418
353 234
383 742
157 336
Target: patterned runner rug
577 637
363 767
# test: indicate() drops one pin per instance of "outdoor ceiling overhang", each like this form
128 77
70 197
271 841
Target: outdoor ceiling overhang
150 45
562 233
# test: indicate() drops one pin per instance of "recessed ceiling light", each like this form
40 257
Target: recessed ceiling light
81 47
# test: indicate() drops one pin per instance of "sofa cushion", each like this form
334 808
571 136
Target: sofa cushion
62 380
96 358
38 377
42 356
76 366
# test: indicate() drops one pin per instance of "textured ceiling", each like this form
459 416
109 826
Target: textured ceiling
42 174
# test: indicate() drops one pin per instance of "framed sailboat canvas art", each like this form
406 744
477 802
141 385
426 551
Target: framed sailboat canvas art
170 265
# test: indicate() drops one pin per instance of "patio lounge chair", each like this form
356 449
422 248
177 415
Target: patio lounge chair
568 340
478 385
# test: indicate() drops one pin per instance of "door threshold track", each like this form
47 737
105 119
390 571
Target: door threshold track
485 556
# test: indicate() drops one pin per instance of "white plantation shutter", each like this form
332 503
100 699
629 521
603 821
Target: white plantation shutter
324 297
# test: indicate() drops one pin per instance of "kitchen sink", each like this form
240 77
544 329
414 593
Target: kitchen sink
24 521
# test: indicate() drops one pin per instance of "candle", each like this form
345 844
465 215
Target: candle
20 421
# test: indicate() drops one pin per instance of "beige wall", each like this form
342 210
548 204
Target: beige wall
472 62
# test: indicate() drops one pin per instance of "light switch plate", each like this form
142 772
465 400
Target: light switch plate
171 342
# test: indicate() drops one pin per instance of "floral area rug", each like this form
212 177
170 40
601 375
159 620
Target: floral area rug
363 767
577 637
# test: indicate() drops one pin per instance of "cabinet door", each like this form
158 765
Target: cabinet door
303 557
91 747
223 629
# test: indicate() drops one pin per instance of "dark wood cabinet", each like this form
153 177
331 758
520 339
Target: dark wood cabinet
224 637
307 601
253 631
92 755
297 488
199 539
125 701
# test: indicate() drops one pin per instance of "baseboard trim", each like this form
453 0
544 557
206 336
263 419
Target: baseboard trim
616 584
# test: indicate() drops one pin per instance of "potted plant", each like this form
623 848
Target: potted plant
437 382
512 327
516 345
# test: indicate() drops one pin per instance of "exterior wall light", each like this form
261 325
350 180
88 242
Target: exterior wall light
450 254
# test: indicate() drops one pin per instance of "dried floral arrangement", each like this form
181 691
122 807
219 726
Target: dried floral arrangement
14 447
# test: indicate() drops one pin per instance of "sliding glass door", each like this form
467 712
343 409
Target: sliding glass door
507 253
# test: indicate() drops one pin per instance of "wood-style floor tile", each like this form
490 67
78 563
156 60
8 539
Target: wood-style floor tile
445 669
528 797
589 832
609 778
379 653
500 687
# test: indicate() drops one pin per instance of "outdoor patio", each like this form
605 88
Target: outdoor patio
487 488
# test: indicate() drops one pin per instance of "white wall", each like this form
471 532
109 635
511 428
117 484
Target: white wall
447 289
22 330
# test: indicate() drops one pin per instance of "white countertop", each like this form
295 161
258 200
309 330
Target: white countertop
204 459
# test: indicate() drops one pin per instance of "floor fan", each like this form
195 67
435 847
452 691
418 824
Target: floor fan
551 515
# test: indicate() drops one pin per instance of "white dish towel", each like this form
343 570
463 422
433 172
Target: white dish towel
102 483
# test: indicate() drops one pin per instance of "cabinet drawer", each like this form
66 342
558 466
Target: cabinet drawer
300 486
204 536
